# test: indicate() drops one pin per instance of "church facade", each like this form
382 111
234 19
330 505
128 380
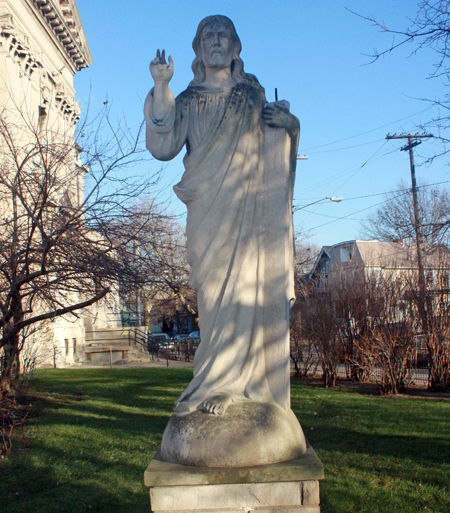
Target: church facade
42 47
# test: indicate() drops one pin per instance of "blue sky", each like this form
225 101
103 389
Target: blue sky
313 53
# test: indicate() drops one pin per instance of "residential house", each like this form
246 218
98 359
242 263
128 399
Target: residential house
321 268
359 260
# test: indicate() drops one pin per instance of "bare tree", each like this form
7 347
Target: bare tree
437 335
59 249
429 29
438 344
351 299
158 253
393 324
368 318
320 325
394 220
306 253
302 350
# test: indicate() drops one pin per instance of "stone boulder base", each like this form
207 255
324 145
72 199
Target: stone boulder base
250 433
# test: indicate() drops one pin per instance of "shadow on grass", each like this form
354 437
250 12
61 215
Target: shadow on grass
42 490
379 453
97 430
90 436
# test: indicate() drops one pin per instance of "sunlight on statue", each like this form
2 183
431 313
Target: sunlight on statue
237 186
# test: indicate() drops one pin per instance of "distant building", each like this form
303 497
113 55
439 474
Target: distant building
356 260
321 269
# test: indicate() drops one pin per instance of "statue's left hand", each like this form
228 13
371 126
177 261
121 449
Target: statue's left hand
277 115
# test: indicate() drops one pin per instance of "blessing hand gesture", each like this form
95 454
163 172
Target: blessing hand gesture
159 69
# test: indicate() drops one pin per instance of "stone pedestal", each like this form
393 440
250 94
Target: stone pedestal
251 433
288 487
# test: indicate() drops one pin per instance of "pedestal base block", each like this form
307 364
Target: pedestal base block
288 487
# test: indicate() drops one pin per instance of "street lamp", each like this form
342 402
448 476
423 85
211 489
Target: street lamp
335 199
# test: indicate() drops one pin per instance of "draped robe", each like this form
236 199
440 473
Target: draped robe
237 188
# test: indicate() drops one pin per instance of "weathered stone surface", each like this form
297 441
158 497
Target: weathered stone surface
310 493
286 487
237 187
262 497
250 433
252 495
268 509
307 467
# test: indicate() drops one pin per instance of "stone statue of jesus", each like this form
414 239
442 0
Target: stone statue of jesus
237 186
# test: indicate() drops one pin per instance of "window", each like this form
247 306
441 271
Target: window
345 254
42 118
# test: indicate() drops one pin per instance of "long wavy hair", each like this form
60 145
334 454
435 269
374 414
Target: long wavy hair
237 65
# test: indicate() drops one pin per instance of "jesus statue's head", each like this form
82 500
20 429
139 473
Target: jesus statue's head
223 24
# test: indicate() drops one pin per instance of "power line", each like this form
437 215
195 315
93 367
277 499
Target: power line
397 190
402 192
342 149
326 215
341 175
367 132
357 170
351 214
365 163
372 158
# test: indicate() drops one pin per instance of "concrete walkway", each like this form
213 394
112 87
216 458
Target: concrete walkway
152 363
156 363
120 364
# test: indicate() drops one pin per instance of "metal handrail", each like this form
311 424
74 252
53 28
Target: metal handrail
140 337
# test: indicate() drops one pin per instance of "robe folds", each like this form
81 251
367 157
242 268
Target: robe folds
237 188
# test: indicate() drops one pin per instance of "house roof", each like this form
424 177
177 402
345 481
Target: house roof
325 251
375 253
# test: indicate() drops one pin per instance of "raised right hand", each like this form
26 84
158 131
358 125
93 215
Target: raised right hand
159 69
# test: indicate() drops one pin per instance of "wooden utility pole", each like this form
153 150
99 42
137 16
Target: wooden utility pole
414 140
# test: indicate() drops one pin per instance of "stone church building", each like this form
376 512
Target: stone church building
42 46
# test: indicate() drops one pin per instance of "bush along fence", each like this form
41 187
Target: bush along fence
374 327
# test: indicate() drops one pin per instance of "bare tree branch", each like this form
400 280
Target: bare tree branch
61 191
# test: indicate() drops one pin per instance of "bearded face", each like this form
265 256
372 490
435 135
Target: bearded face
217 46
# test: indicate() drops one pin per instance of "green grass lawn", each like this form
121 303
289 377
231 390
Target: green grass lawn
92 432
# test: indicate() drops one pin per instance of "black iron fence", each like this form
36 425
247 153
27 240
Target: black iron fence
171 349
417 371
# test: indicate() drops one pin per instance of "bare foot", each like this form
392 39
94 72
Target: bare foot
216 404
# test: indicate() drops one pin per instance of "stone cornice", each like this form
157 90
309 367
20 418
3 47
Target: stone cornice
19 47
62 18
